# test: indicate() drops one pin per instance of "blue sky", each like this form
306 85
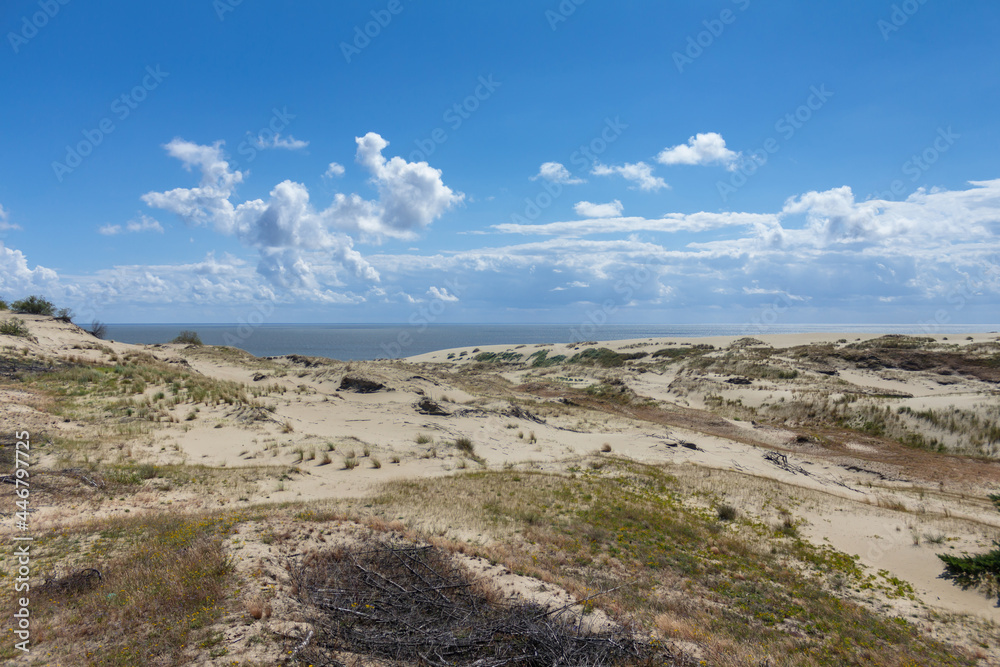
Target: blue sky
629 162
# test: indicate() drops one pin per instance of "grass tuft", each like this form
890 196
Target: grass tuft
14 326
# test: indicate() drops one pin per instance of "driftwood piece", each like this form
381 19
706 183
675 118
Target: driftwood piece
428 407
360 385
80 581
518 412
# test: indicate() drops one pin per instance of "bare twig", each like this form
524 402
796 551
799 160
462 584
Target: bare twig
415 604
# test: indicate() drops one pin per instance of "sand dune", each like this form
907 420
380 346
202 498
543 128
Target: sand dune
749 422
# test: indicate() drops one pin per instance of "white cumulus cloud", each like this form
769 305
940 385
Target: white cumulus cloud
141 223
275 140
411 194
334 169
442 294
639 173
17 278
556 173
209 202
701 149
291 235
612 209
5 222
672 222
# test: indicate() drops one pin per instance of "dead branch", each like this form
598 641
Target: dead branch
416 605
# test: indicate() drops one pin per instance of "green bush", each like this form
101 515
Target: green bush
543 360
979 571
3 305
34 305
497 357
895 342
188 338
13 327
602 356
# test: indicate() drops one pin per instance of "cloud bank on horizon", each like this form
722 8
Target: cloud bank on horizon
490 187
918 249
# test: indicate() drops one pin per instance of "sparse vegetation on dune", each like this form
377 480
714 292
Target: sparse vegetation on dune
624 522
162 580
13 326
976 571
34 305
188 338
98 329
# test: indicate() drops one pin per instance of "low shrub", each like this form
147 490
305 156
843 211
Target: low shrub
188 338
543 360
727 513
976 571
34 305
14 327
98 329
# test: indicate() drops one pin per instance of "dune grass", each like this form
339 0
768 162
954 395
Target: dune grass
14 326
163 581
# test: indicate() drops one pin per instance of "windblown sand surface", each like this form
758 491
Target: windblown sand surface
736 425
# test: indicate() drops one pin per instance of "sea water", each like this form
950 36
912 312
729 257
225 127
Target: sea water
374 341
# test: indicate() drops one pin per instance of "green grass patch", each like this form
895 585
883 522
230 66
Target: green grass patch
14 326
541 359
499 357
163 581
